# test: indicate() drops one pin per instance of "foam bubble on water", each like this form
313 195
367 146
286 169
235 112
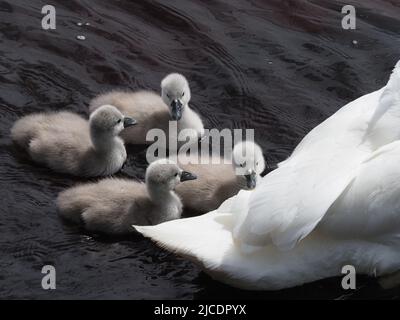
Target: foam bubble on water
80 24
80 37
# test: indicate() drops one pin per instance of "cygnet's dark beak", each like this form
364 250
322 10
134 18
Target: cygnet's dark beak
185 176
129 122
176 110
251 180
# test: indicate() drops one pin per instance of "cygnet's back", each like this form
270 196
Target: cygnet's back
214 184
146 107
67 143
32 126
112 206
51 139
104 206
219 179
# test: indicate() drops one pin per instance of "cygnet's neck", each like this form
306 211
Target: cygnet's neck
191 120
187 117
167 205
103 142
159 194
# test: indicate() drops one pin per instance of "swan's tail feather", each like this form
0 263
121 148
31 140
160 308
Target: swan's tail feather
166 236
194 238
207 241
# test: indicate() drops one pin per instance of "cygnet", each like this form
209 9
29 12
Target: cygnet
67 143
219 181
112 206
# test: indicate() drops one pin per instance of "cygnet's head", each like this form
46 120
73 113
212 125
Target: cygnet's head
108 120
248 161
175 93
166 174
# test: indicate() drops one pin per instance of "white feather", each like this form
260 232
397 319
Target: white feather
292 200
384 124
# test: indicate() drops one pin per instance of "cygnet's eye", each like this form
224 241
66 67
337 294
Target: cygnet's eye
169 97
242 164
119 121
176 174
183 93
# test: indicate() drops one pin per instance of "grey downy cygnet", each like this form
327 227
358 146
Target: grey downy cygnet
67 143
219 181
153 111
111 206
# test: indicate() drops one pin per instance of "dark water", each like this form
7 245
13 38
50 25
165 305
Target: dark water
280 67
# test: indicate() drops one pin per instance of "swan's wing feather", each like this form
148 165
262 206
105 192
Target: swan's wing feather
389 100
354 116
291 200
384 126
370 205
381 106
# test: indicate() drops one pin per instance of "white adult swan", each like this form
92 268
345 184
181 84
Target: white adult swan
339 192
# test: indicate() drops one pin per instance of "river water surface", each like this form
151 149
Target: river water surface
278 66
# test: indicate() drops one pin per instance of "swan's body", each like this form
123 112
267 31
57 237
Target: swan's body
153 111
207 241
67 143
285 208
339 193
218 179
111 205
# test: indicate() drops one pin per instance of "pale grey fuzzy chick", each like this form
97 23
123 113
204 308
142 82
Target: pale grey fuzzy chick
218 182
111 206
67 143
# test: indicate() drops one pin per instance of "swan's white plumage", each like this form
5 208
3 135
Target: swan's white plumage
384 124
377 183
285 208
294 198
339 192
207 241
